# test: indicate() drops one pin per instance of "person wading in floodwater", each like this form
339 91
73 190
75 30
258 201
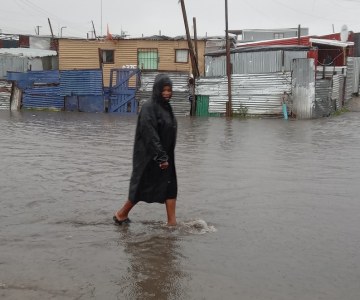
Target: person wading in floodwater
153 178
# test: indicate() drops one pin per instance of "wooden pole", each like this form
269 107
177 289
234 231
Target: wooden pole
195 40
195 68
94 28
52 34
192 86
228 63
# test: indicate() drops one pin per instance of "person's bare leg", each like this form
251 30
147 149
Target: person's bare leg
123 212
170 210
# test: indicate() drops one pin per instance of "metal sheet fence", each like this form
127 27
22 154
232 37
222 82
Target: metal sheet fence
28 79
303 88
12 63
349 80
258 94
81 82
253 62
324 105
180 98
337 91
43 97
356 75
84 103
5 93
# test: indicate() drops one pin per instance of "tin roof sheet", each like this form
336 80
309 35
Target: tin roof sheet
28 52
332 43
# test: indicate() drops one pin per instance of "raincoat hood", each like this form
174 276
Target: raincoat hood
161 80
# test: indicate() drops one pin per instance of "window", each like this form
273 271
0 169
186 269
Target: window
107 56
148 59
182 55
278 35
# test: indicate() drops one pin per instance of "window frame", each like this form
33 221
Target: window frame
279 35
105 51
151 60
187 56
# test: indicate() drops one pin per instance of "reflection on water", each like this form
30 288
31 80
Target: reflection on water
267 209
155 269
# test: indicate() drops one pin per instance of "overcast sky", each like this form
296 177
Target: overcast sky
150 17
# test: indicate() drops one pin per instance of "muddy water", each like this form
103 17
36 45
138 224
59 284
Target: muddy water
267 209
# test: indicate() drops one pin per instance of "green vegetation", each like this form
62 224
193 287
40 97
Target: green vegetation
340 111
241 112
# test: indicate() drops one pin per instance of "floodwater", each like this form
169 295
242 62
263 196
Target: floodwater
267 209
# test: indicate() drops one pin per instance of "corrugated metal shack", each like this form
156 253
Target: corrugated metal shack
260 78
180 98
252 60
259 94
82 90
324 94
78 90
37 90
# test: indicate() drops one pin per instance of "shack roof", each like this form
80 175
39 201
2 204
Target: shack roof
241 31
28 52
331 43
260 49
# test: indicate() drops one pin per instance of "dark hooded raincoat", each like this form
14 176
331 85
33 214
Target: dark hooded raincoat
155 140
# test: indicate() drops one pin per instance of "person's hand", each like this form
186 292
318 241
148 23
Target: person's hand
164 165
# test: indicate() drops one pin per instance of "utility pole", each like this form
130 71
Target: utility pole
94 28
101 18
192 82
228 63
52 34
195 68
195 40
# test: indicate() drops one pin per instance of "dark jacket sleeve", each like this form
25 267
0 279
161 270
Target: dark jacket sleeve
148 126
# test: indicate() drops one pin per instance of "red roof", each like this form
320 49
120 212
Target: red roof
304 40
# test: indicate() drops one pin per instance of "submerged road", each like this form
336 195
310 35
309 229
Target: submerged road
267 209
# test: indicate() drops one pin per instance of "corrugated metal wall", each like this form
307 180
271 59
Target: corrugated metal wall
81 83
5 93
180 99
337 90
215 66
40 89
259 94
12 63
324 105
356 75
253 62
303 88
256 62
87 88
84 103
43 97
289 56
349 80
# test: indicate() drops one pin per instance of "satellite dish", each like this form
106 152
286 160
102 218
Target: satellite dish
344 34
